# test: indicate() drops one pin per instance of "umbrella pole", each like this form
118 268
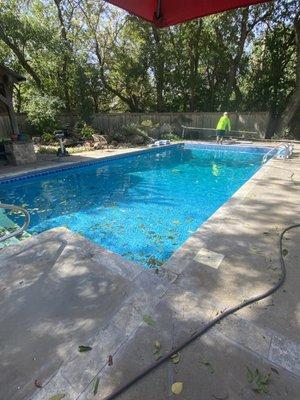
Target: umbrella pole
158 9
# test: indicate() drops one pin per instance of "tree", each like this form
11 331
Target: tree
87 56
291 117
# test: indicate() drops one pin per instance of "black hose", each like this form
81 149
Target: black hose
210 324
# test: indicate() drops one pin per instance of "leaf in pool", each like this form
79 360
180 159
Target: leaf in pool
82 348
177 388
175 358
59 396
154 262
96 385
189 219
148 320
176 222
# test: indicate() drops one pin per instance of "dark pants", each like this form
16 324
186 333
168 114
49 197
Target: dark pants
220 134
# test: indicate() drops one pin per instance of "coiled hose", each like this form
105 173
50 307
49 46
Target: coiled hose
213 322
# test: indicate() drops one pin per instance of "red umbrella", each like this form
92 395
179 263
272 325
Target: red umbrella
170 12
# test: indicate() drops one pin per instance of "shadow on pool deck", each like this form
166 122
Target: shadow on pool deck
59 291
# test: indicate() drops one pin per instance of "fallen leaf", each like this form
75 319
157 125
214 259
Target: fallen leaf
82 349
157 345
284 252
220 397
275 370
148 320
58 396
208 365
96 385
38 384
177 388
110 360
175 358
158 355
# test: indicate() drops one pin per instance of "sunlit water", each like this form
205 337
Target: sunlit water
142 207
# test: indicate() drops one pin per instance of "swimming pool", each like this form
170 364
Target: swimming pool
142 206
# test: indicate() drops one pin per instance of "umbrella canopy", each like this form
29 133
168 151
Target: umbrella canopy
170 12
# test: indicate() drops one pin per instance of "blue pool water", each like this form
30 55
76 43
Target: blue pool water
140 206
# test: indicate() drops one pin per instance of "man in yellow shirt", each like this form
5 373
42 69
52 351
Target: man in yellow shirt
222 127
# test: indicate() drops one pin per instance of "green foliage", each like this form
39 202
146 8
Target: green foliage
87 132
42 111
258 380
148 123
53 149
95 59
170 136
47 137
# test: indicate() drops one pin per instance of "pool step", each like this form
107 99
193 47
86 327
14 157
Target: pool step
7 226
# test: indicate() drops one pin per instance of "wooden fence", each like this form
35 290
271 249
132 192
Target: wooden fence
5 126
256 122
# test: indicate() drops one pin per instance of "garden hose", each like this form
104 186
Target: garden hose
213 322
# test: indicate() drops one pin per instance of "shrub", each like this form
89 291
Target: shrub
170 136
47 150
47 137
148 123
87 132
135 134
71 150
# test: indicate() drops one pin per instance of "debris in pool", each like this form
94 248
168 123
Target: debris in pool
154 262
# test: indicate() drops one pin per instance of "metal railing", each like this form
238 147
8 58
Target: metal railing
283 150
25 225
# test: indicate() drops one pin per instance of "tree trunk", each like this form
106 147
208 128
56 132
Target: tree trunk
64 72
21 58
159 67
193 65
290 121
131 103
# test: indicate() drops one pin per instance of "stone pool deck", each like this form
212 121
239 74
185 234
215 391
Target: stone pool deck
59 291
45 161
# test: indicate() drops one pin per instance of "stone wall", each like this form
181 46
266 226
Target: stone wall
20 153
